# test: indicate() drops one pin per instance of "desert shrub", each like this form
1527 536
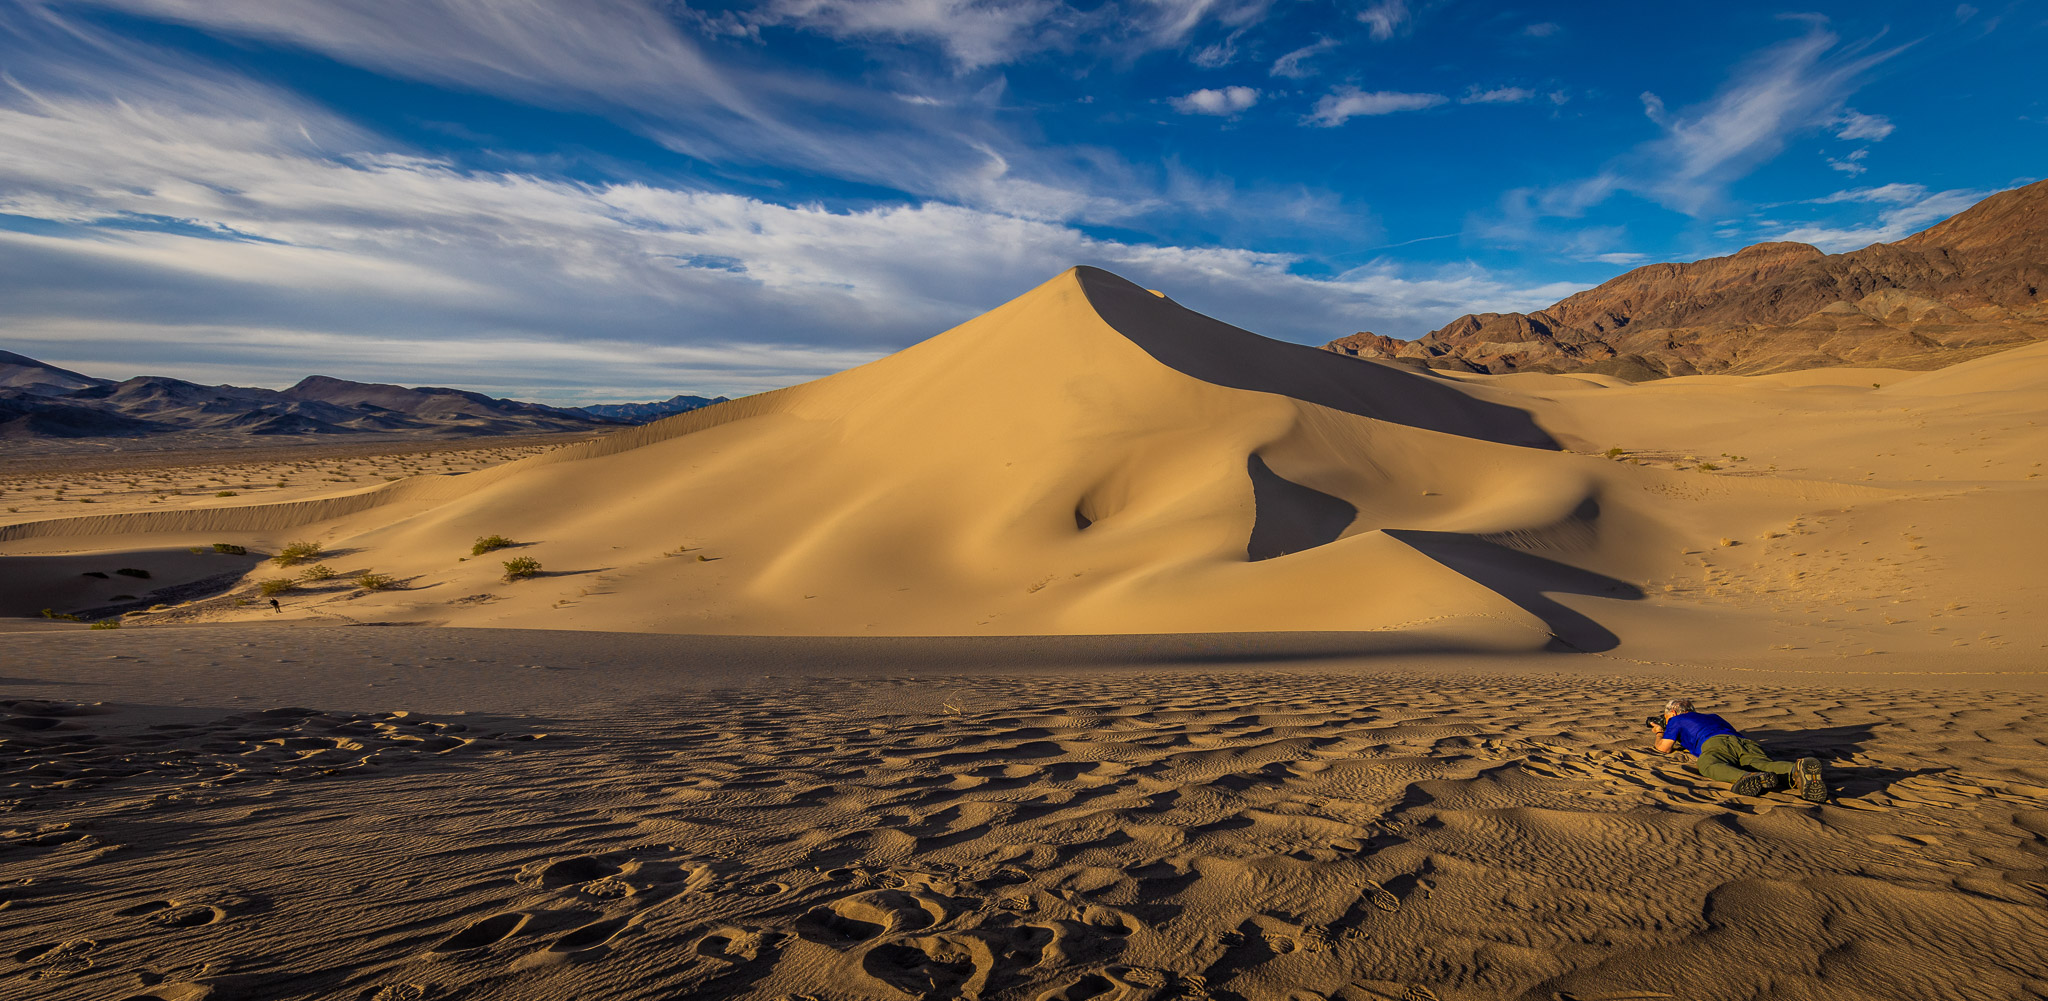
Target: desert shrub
226 493
133 572
370 580
275 586
1615 453
60 616
106 624
486 543
239 602
521 567
296 553
318 571
230 548
196 550
1708 467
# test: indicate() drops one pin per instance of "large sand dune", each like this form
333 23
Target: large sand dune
1094 458
1338 751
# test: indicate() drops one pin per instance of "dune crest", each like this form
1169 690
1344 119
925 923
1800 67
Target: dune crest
1093 457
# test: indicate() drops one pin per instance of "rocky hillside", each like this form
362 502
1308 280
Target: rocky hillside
1975 283
44 401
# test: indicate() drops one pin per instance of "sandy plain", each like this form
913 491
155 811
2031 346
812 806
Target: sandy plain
1094 649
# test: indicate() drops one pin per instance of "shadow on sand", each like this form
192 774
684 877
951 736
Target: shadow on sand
1528 581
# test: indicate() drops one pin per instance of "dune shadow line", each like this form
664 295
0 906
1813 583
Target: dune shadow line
1528 581
1208 349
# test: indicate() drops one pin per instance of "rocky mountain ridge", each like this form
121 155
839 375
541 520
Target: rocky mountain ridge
38 400
1972 284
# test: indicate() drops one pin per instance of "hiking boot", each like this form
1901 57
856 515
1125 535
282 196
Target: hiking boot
1807 779
1775 781
1749 785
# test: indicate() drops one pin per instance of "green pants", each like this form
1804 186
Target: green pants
1727 758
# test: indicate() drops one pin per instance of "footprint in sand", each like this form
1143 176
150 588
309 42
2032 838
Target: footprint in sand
858 918
935 967
58 959
487 931
590 936
1093 987
1380 898
397 992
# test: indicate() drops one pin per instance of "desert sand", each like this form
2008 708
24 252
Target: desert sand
1092 649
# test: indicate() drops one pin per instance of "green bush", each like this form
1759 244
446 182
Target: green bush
319 571
1615 453
106 624
227 493
372 581
1708 467
275 586
520 568
60 616
230 548
296 553
486 543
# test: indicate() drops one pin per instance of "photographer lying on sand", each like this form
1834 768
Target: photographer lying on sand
1725 755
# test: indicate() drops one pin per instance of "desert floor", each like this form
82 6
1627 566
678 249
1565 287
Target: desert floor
303 811
52 479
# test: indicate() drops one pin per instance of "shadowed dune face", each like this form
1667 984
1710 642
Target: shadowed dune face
1205 348
1093 458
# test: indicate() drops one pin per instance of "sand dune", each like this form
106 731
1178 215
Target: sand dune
1095 458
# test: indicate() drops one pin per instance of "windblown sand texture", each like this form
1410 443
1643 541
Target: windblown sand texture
1200 666
667 817
1094 458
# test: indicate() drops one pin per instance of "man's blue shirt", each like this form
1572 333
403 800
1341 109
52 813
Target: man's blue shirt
1693 729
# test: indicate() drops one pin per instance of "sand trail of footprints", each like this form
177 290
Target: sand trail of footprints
1131 837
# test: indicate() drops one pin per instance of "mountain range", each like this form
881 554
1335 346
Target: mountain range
1970 285
38 400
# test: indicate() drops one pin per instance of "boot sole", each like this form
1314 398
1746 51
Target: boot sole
1749 785
1806 776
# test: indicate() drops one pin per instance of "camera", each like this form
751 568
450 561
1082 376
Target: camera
1656 721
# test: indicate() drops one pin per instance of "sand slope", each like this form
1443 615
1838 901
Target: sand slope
1094 458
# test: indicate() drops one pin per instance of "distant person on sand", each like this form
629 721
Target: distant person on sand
275 607
1725 755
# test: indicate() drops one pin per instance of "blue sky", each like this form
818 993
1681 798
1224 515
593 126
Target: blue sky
626 199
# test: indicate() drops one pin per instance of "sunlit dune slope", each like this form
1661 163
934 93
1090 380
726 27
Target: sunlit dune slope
1088 458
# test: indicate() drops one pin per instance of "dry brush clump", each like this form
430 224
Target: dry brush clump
520 568
319 571
486 543
370 580
276 586
296 553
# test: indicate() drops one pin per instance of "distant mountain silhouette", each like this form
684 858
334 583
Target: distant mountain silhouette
640 413
43 401
1967 286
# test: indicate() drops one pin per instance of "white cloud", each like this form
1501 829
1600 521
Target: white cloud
1226 101
1294 65
1541 29
1855 125
1851 164
1909 208
1498 95
1345 103
260 236
1653 108
1789 88
1386 18
973 33
1621 258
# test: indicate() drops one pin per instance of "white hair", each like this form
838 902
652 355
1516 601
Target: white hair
1679 705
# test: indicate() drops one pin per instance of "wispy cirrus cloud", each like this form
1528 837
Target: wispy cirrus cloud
1793 87
1902 210
1295 64
1346 103
219 225
1497 95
